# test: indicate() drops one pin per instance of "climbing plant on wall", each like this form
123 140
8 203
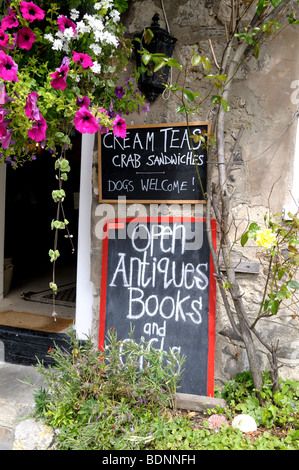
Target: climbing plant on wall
251 23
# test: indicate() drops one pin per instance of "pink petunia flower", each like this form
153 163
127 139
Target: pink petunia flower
4 39
4 98
38 130
31 12
84 59
63 22
31 109
84 101
9 21
59 78
25 38
3 127
8 68
5 140
85 122
3 112
119 127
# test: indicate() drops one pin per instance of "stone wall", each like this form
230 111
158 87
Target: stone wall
261 101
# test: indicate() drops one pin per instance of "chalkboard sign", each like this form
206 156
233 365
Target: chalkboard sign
153 163
157 278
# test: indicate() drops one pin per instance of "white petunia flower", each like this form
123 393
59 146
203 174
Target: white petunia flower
49 37
97 6
66 47
74 14
68 34
83 28
75 77
57 45
96 68
96 49
106 4
110 38
115 16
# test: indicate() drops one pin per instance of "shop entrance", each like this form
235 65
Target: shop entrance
29 210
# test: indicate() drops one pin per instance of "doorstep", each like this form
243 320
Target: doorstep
25 347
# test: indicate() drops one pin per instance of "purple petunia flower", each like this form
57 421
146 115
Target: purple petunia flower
8 68
84 101
119 91
25 38
31 12
85 122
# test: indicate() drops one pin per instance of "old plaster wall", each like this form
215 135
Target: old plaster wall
261 101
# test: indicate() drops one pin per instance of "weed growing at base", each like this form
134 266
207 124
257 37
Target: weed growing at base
102 400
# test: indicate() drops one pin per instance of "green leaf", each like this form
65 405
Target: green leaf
159 65
244 239
260 6
275 3
215 99
254 226
180 109
293 284
148 36
292 19
256 51
196 60
174 63
225 105
146 58
189 95
64 165
206 64
53 255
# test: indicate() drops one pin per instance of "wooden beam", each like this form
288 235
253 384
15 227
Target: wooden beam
248 267
186 401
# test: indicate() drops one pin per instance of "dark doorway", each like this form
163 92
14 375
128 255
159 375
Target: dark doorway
28 215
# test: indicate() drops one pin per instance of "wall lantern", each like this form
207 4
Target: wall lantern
151 83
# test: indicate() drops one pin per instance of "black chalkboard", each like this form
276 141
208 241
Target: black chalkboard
153 163
157 277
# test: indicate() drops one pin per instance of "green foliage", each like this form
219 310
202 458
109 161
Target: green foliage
280 240
280 408
103 400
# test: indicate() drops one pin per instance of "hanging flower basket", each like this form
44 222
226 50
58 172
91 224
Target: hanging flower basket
59 69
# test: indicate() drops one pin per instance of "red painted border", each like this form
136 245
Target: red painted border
118 223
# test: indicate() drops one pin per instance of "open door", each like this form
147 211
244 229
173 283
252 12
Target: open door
29 210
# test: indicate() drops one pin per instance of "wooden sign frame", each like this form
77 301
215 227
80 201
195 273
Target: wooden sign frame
120 224
127 200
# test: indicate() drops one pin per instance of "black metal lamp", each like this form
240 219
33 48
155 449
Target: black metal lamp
151 83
